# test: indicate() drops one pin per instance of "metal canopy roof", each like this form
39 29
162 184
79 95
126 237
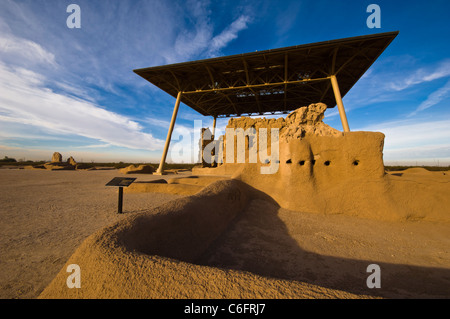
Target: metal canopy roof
271 81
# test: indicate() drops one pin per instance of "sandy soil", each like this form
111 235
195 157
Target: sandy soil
334 251
46 215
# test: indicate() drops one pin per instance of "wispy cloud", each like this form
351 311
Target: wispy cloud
229 34
197 32
166 33
429 153
76 83
201 41
26 100
396 79
9 148
422 75
17 48
286 19
434 98
95 146
156 122
413 138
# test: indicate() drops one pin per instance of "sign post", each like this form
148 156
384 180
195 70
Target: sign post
120 182
119 209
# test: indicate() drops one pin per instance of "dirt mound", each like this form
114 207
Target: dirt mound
225 242
151 255
138 169
417 170
59 166
189 185
196 180
160 187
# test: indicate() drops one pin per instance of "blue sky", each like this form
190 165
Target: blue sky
73 90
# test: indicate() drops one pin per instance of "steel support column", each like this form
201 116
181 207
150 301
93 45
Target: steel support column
160 170
214 127
340 105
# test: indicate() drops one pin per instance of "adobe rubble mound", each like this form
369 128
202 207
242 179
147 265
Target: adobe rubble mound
307 120
304 120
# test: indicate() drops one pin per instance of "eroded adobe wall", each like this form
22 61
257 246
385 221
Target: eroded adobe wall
296 126
322 173
332 159
309 148
316 163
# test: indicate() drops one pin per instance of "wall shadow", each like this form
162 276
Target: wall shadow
258 241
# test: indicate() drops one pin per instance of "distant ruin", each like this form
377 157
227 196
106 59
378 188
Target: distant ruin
57 164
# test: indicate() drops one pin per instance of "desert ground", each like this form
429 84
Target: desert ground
52 218
45 216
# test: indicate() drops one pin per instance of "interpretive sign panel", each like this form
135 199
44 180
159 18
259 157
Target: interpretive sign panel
121 181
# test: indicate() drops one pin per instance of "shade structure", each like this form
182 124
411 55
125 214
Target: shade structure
270 81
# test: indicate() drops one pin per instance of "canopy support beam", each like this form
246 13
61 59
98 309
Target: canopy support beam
160 170
214 127
340 105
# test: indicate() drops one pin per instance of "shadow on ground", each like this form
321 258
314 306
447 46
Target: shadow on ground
231 226
258 241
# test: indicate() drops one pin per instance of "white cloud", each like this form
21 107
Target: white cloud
428 152
9 148
287 18
50 84
26 100
393 81
229 34
197 37
157 122
200 40
95 146
420 76
189 44
434 98
21 49
409 139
